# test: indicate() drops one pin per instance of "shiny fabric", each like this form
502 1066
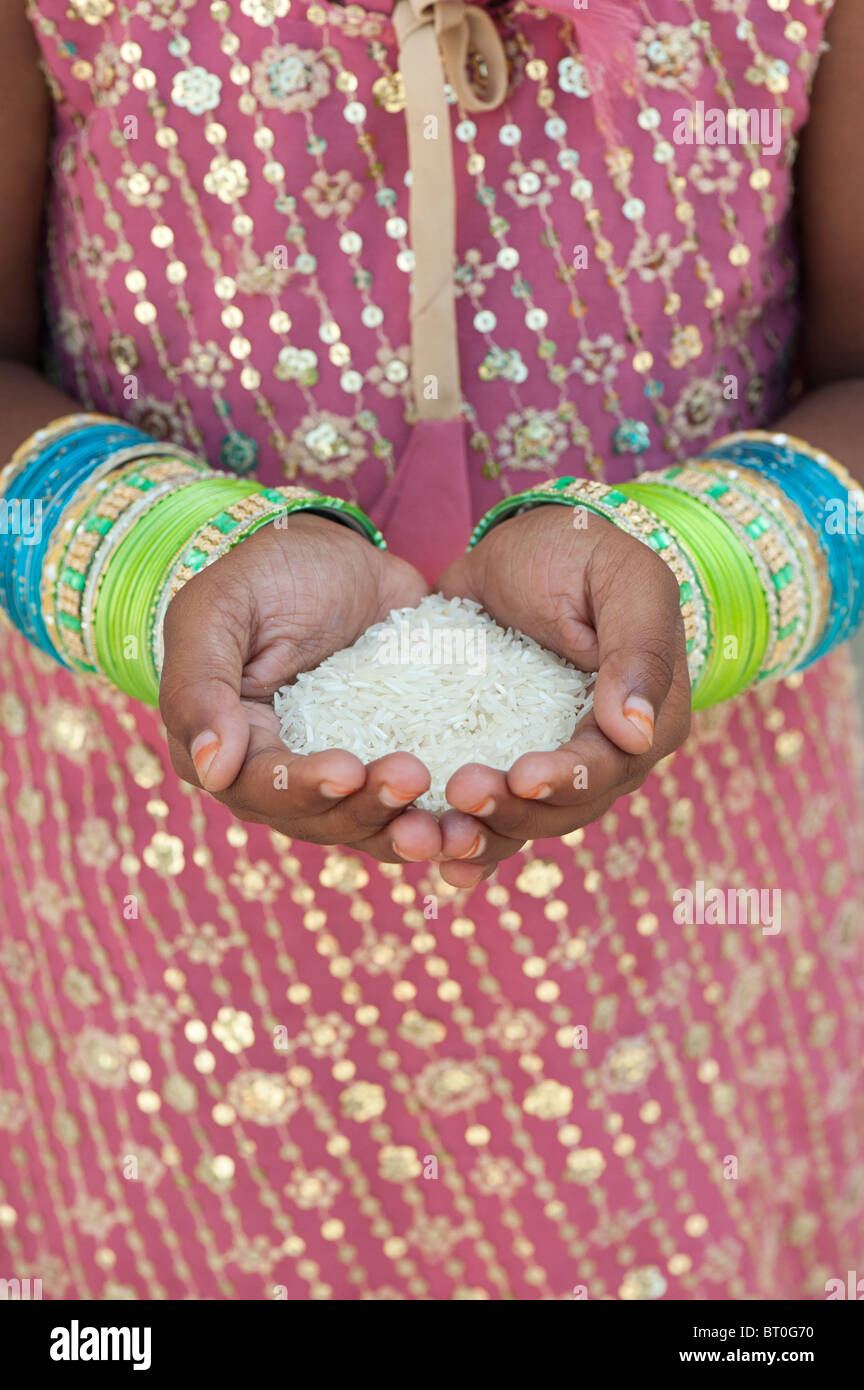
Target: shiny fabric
242 1067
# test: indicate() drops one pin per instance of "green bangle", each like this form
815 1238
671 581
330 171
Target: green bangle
133 580
733 585
216 537
776 559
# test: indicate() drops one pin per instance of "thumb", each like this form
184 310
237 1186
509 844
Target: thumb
639 630
206 637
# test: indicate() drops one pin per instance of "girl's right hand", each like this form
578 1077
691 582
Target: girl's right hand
280 603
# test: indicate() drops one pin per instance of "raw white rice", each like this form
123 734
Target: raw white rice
442 681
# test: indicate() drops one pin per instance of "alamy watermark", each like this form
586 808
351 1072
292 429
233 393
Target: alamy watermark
696 125
418 645
22 516
732 907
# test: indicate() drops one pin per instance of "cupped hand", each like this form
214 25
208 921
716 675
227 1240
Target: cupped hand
608 604
280 603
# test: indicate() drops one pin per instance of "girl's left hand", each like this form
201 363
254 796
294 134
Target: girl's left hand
607 603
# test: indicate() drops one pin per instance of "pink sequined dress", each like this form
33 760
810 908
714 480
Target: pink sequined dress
236 1066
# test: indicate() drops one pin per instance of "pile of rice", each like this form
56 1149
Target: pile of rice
442 681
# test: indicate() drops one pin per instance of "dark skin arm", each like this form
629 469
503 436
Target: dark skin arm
618 753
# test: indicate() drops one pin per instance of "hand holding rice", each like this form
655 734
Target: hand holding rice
442 681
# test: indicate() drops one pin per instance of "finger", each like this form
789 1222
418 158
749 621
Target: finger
467 839
514 804
391 784
464 876
291 788
476 790
412 837
587 767
199 693
639 634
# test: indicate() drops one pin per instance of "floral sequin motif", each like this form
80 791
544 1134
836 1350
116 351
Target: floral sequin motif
516 1030
668 56
69 729
698 410
260 276
143 186
496 1177
204 945
264 1098
332 195
158 418
363 1101
162 13
265 12
548 1100
392 370
449 1086
315 1190
92 11
534 439
196 90
233 1028
645 1283
327 1036
584 1166
95 843
387 955
573 77
628 1064
99 1057
227 179
164 854
329 446
207 365
532 185
256 882
12 1111
289 78
399 1163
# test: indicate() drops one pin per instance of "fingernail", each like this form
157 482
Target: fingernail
391 798
333 790
409 858
484 809
641 715
539 793
469 887
203 750
477 848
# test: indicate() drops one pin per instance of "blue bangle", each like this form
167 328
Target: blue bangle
50 480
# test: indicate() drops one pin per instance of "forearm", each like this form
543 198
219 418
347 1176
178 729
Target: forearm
27 402
832 418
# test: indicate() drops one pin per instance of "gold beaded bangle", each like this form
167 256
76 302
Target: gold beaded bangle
106 475
96 531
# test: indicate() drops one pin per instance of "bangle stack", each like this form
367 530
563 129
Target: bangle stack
119 523
763 534
825 493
